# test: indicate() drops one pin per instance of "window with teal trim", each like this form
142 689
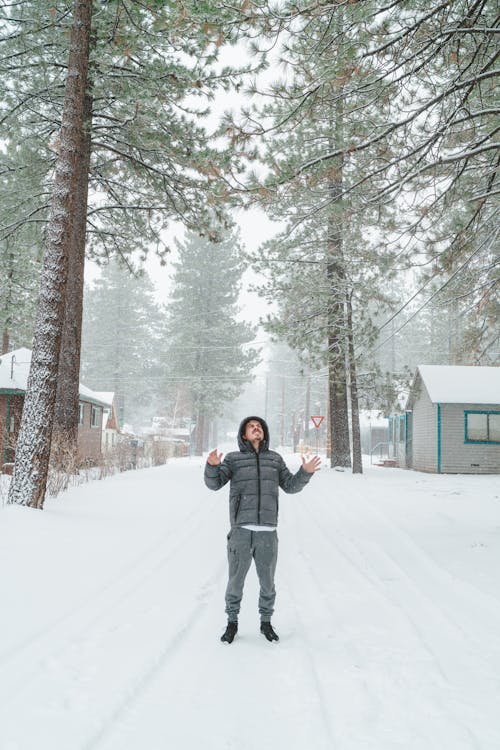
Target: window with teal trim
482 426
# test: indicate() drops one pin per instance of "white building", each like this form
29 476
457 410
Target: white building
452 423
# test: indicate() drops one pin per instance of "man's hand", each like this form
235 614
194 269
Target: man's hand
312 465
214 458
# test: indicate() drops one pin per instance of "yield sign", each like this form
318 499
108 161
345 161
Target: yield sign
317 421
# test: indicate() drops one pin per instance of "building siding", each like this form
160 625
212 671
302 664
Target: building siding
425 446
89 437
459 457
8 439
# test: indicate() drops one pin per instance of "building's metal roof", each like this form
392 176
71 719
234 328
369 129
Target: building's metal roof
458 384
14 371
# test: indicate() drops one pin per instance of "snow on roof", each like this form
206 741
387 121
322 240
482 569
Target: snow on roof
461 384
14 371
105 396
87 394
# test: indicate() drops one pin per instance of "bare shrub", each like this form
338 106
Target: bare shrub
69 470
63 465
161 451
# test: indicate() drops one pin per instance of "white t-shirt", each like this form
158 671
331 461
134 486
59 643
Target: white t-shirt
253 527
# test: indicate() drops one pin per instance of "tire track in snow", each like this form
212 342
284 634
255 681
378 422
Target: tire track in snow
389 568
139 569
315 678
138 686
367 567
301 573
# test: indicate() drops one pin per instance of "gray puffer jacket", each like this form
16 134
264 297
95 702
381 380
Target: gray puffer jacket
255 480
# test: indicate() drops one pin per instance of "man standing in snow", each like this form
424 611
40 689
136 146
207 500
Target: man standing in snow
255 474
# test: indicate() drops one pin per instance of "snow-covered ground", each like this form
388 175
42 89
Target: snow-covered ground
388 610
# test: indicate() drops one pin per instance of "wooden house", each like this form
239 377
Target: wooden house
452 420
110 421
14 370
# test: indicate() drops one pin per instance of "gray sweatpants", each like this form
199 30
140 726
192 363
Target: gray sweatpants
242 546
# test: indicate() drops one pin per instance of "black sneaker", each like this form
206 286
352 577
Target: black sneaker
231 630
267 629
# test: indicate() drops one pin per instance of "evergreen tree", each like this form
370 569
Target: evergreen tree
205 342
35 432
323 259
121 341
143 58
19 280
410 91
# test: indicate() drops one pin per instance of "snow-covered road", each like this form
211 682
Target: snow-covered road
388 612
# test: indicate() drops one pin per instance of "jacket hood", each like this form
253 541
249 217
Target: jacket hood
244 445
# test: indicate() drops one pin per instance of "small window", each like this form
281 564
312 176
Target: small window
12 424
482 427
477 427
95 420
494 427
81 413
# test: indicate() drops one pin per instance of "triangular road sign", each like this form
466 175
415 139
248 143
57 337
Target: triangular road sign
317 421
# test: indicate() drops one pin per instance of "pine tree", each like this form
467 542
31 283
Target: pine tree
146 57
206 343
121 344
144 153
415 87
19 278
320 261
35 433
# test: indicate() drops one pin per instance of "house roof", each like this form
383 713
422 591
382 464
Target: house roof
106 396
14 371
458 384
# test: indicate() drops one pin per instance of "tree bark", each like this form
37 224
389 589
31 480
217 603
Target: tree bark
68 385
337 371
357 462
307 409
5 340
337 360
200 430
35 435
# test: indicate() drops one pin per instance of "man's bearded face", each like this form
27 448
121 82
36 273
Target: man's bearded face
253 431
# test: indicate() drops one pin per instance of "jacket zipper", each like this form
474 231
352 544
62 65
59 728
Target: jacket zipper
258 485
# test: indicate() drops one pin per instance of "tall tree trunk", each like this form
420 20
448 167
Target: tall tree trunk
35 434
5 340
206 434
307 409
337 360
7 299
67 400
337 372
357 463
200 431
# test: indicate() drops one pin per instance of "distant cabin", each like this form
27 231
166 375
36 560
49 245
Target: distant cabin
110 422
452 422
14 370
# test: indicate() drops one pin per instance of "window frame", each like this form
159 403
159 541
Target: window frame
95 410
486 412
